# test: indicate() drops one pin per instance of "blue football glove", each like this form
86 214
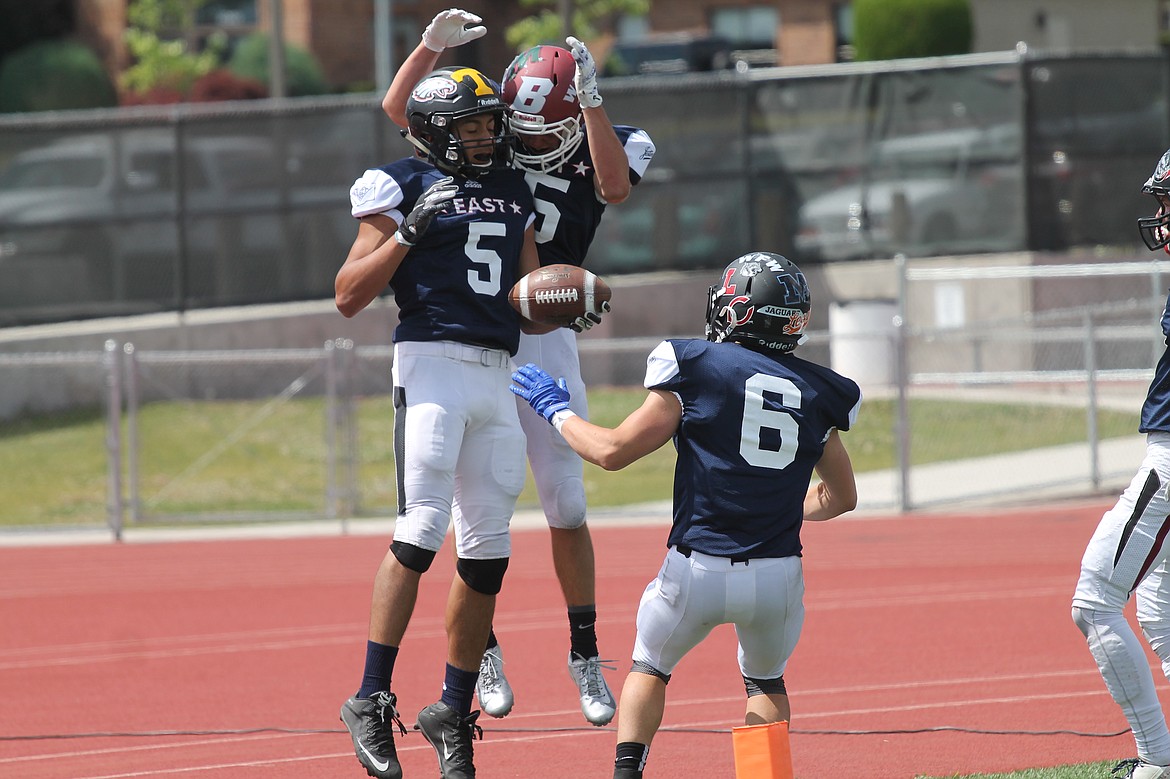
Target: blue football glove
546 395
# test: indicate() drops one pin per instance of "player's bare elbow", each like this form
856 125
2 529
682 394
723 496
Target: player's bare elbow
347 304
612 461
616 193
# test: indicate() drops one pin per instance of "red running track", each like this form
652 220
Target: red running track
248 647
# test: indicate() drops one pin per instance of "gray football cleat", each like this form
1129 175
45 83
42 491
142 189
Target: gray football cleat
597 702
492 688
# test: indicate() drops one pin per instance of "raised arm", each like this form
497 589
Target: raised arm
448 29
611 176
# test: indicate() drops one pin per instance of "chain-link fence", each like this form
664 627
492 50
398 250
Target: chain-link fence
983 380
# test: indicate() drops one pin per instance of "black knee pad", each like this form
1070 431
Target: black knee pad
413 557
649 670
484 576
764 686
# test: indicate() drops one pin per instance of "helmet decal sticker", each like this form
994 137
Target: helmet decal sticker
437 86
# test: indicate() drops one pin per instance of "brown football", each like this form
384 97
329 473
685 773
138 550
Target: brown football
559 294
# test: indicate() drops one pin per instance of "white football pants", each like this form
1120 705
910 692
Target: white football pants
456 438
763 598
557 470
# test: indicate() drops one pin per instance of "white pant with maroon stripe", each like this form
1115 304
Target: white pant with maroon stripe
457 438
1126 556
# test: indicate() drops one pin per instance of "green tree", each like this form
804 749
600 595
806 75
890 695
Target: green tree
54 75
894 29
161 56
589 18
304 74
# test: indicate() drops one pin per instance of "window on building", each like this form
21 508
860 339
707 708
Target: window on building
843 31
227 13
752 27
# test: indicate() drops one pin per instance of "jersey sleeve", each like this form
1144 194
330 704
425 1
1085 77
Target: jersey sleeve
662 367
639 151
376 192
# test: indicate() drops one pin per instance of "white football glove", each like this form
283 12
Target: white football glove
449 29
583 323
585 81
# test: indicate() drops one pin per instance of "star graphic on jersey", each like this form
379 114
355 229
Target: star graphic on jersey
581 168
516 208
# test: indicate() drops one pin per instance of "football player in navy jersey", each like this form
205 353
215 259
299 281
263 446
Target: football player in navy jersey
1128 554
751 422
450 230
576 163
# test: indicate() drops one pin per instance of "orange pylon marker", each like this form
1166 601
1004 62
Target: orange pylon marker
762 751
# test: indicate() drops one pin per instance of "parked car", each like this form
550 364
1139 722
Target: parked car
947 191
92 220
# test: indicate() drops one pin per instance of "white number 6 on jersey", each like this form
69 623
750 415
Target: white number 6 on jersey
757 416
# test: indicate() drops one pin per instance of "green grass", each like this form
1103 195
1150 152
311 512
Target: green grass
229 457
1081 771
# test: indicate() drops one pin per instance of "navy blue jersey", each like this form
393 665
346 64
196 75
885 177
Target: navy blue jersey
753 426
567 206
1156 409
453 284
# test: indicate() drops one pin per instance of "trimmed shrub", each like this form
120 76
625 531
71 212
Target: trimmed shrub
895 29
54 75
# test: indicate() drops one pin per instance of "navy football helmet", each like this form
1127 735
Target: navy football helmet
443 98
762 301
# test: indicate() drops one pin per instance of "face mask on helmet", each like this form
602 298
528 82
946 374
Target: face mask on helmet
1155 230
762 301
545 114
435 112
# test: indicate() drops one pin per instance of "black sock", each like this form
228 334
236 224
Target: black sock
458 687
492 639
583 630
379 668
630 760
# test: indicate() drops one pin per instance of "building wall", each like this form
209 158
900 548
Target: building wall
1064 25
340 32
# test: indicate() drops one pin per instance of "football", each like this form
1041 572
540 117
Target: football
559 294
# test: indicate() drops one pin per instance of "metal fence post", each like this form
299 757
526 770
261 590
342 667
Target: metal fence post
1091 401
132 401
349 428
114 507
902 377
331 423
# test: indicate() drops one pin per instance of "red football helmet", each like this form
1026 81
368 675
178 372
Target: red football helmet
545 115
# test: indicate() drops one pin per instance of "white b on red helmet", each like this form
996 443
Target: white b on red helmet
538 87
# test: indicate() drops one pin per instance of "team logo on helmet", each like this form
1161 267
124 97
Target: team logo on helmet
432 88
1163 169
750 269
